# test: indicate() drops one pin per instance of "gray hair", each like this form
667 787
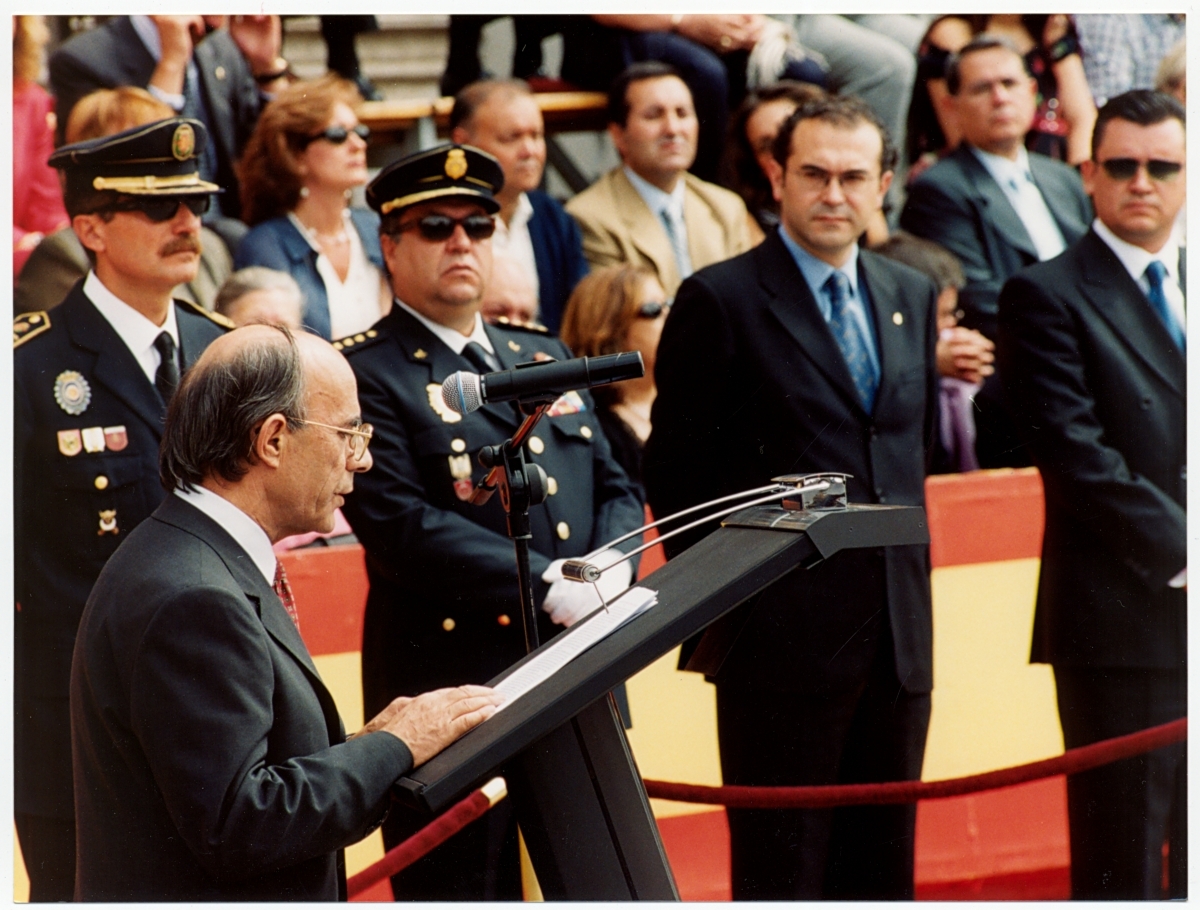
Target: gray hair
255 278
217 409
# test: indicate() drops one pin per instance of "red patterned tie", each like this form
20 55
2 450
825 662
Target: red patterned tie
284 590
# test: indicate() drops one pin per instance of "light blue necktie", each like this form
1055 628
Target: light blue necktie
849 335
677 234
1155 272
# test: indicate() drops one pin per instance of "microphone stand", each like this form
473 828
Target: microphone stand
521 485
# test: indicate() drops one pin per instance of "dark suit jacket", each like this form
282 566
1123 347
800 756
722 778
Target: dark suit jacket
276 244
443 607
558 255
752 384
59 499
113 55
1098 388
210 761
957 203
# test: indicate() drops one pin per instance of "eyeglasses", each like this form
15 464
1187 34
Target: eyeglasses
162 208
337 134
360 436
1127 168
439 228
652 309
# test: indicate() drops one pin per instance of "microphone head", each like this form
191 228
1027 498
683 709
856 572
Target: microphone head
462 392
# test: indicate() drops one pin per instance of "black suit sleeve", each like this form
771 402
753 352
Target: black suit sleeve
1040 356
207 692
695 373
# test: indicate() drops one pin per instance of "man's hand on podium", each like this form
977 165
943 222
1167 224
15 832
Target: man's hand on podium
431 721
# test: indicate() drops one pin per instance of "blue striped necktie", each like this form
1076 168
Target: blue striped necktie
1155 272
849 335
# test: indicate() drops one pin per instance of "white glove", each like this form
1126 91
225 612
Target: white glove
568 601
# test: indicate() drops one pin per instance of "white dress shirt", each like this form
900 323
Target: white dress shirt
1016 180
514 241
135 330
246 532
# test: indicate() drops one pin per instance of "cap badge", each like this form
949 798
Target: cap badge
72 392
456 164
183 143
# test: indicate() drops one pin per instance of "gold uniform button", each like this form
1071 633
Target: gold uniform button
551 485
898 318
503 619
585 432
536 446
448 624
101 482
371 333
458 445
564 530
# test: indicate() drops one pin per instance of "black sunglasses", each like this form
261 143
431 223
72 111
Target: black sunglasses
162 208
438 228
1126 168
652 309
337 134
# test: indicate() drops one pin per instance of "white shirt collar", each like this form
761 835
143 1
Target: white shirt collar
522 214
452 338
135 330
1004 169
656 199
1134 258
246 532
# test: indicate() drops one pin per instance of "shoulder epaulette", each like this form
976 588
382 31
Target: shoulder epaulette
357 340
535 327
29 325
223 321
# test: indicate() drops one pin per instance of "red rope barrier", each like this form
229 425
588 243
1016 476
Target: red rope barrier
1071 762
440 829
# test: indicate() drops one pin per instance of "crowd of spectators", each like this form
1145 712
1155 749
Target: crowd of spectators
963 147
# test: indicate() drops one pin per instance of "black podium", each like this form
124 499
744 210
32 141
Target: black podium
578 796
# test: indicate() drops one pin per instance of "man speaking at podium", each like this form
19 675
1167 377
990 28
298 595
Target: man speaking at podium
807 354
210 761
443 607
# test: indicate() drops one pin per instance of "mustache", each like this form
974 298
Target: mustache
185 244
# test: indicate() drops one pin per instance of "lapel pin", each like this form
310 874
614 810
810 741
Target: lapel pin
108 522
69 442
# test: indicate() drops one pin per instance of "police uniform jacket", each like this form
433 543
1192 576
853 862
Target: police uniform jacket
86 473
443 607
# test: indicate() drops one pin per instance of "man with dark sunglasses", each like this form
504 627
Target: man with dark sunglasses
92 379
995 206
1093 350
443 602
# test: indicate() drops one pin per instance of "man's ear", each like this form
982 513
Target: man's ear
1087 170
271 440
616 132
90 231
460 136
775 175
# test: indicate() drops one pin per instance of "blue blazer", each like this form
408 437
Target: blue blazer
558 254
277 244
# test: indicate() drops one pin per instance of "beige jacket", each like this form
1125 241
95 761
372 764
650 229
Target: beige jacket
619 227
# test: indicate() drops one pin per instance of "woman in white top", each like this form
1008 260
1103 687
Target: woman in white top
306 155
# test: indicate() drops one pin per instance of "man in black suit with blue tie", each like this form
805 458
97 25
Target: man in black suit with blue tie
1092 347
808 354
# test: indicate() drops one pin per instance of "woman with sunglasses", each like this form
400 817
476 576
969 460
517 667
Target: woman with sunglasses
306 155
620 308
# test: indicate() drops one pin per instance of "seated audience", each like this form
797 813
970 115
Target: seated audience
307 153
751 137
1122 51
37 198
217 69
996 207
260 295
59 261
502 118
964 356
614 309
509 298
651 211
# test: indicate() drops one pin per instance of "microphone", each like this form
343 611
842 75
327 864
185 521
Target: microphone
546 380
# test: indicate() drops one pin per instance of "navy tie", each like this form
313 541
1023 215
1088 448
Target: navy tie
167 376
849 336
1155 272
